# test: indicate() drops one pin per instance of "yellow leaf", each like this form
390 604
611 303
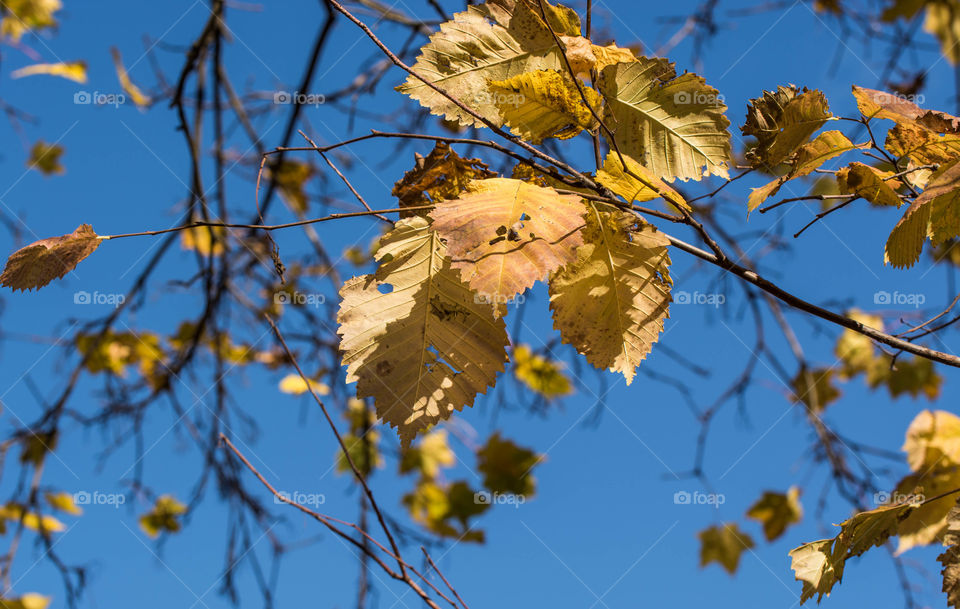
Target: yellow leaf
39 263
63 502
138 97
74 70
14 513
295 385
809 157
540 374
291 178
777 511
610 304
610 55
26 15
636 183
545 103
414 337
856 350
869 183
472 50
46 158
427 457
673 125
935 212
27 601
881 104
508 468
503 235
164 517
206 240
723 544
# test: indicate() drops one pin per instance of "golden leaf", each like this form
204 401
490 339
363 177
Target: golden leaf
544 103
723 544
138 97
673 125
782 121
610 304
413 335
73 70
636 183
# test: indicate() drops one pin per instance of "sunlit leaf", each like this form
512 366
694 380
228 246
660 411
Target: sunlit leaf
39 263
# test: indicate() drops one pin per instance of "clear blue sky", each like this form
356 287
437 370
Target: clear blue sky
603 530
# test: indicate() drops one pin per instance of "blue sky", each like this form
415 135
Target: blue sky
603 529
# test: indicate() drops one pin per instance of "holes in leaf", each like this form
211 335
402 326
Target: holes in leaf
385 288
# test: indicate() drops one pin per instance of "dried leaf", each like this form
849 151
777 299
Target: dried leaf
39 263
545 103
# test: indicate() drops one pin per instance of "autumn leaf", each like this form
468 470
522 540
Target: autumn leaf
414 337
429 455
723 544
809 157
446 509
205 240
782 121
610 55
937 206
950 559
23 16
869 183
819 564
14 513
291 178
74 70
46 158
545 103
39 263
63 502
27 601
441 175
856 350
611 302
485 43
540 374
506 467
295 385
137 96
635 182
777 511
673 125
164 517
503 235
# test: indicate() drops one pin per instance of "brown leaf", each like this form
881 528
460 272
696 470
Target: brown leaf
39 263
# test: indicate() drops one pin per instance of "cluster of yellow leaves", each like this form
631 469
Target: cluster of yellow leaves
163 517
724 543
914 375
920 511
113 352
444 508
